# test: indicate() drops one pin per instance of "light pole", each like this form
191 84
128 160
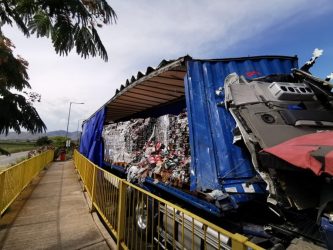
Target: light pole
69 114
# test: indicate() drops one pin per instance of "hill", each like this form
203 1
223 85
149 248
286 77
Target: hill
24 136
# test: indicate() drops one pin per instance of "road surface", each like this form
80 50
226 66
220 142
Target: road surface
13 158
52 213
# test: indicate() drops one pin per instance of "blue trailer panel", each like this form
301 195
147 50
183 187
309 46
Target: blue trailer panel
216 162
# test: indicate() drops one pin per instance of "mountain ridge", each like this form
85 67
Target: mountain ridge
24 136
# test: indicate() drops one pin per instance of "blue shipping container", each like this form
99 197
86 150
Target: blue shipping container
216 162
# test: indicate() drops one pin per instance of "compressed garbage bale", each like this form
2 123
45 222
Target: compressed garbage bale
161 129
154 147
122 140
168 154
114 136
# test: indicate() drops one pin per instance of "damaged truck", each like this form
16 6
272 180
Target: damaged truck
245 142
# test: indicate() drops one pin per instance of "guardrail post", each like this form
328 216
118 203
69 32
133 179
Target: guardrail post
93 190
121 213
77 165
83 176
2 190
238 242
22 174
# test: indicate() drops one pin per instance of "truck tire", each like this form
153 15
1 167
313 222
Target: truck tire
146 221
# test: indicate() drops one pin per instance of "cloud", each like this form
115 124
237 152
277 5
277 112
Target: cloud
147 32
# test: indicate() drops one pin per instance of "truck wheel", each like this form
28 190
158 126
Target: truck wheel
146 222
141 213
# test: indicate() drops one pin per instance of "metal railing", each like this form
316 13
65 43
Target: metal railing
14 179
141 220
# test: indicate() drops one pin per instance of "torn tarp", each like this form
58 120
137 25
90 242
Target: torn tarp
91 144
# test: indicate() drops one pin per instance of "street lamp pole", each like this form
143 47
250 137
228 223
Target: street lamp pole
69 114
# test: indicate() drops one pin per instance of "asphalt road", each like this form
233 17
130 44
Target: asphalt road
7 160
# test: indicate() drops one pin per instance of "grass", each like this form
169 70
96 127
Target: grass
14 147
17 161
19 146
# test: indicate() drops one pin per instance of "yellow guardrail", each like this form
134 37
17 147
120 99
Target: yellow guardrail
14 179
141 220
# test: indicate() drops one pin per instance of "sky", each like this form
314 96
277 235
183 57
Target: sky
148 31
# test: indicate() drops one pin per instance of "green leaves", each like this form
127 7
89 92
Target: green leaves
83 42
40 24
17 112
63 35
99 45
4 152
13 70
70 23
44 140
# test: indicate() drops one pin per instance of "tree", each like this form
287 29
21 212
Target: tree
69 24
58 141
42 141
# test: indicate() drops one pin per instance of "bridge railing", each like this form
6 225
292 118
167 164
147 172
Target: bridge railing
141 220
14 179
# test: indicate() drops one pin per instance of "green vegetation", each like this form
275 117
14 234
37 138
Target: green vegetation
42 141
58 141
69 25
14 147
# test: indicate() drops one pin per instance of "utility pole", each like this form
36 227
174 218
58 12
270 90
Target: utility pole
69 114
